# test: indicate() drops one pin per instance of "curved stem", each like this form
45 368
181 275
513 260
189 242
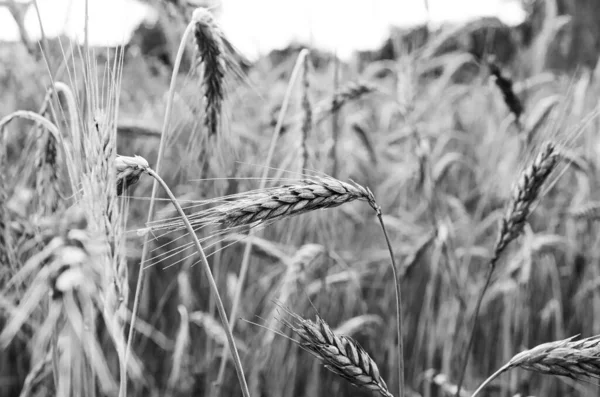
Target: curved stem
488 380
246 256
475 319
213 285
26 114
398 307
161 149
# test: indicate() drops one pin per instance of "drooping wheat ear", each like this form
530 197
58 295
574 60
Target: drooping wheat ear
589 211
284 202
573 359
340 354
349 93
525 193
505 85
307 117
129 169
270 204
209 40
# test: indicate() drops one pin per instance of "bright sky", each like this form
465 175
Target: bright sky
257 26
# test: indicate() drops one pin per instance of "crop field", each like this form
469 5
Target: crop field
192 224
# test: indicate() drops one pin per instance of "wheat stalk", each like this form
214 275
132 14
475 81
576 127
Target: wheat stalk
573 359
209 40
341 355
525 192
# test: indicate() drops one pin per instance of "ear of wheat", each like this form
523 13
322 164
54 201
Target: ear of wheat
341 354
505 85
573 359
525 193
264 205
346 94
209 40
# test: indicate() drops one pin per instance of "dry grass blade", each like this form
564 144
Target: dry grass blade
576 160
341 354
589 211
209 40
573 359
362 134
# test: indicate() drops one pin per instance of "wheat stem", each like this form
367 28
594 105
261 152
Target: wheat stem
263 182
161 149
398 306
488 380
211 280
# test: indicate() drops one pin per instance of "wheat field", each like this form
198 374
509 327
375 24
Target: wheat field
302 226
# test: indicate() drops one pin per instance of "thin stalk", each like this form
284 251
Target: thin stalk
211 280
488 380
161 149
398 306
475 319
335 125
29 115
246 257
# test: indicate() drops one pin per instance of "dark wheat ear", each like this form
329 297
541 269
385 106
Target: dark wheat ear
505 85
210 43
340 354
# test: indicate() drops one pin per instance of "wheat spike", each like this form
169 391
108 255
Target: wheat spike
505 85
307 116
573 359
525 192
290 200
340 354
209 40
349 93
265 205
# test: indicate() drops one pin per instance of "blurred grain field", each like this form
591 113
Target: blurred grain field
479 160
